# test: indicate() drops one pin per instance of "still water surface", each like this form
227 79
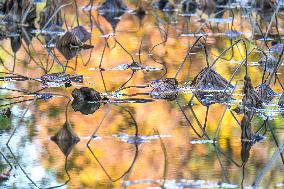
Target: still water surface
134 140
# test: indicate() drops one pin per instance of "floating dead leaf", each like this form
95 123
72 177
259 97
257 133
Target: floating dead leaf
72 41
82 34
86 100
245 151
247 132
164 89
60 79
251 98
86 94
164 84
69 39
210 87
68 52
85 107
135 66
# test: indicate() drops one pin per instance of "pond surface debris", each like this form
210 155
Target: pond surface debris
141 94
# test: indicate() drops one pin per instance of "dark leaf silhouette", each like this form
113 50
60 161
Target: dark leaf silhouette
211 86
162 4
68 52
266 5
3 34
82 34
66 139
86 94
251 98
16 43
112 11
189 6
19 11
247 132
69 39
86 100
19 33
140 12
50 8
85 107
72 41
6 112
135 66
281 100
113 6
245 151
113 18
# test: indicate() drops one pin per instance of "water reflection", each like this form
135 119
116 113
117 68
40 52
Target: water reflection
141 94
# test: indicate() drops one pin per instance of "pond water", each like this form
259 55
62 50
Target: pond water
141 94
